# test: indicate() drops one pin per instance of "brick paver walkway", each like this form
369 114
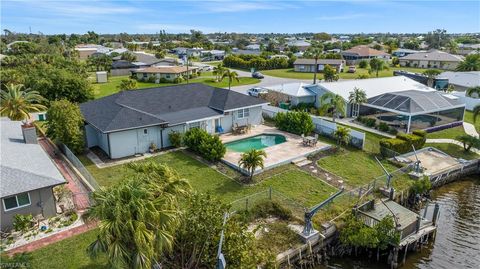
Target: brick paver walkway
80 193
53 238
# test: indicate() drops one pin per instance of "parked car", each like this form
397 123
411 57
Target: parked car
352 69
256 91
257 75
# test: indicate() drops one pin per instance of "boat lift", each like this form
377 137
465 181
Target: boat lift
389 176
221 263
308 230
416 166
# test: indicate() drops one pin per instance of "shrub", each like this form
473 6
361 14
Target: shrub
22 223
163 80
363 64
382 126
392 131
175 138
412 139
208 146
370 122
178 80
402 143
303 107
272 208
294 122
151 79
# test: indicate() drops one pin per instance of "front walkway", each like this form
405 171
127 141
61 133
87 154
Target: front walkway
101 164
470 129
277 155
450 141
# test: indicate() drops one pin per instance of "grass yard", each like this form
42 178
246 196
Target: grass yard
292 182
109 88
469 118
372 140
450 133
356 167
290 73
454 150
68 253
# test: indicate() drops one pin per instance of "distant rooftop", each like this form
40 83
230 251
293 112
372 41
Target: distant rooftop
434 55
464 79
296 89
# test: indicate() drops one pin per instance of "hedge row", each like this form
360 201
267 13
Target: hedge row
403 143
208 146
294 122
257 62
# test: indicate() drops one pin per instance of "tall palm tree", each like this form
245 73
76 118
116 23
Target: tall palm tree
16 102
218 71
315 52
473 92
357 97
431 74
476 113
471 63
138 216
252 159
331 102
231 75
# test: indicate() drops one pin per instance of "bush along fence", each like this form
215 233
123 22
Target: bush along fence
402 143
78 165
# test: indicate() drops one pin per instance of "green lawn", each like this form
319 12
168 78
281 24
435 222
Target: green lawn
109 88
372 140
454 150
450 133
294 183
68 253
290 73
355 166
469 118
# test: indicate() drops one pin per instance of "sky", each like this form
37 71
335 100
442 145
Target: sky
242 16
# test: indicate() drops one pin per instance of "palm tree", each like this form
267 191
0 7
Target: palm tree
452 46
471 63
231 75
357 97
431 74
252 159
473 92
469 141
376 65
16 102
218 71
476 113
342 134
331 102
315 52
138 216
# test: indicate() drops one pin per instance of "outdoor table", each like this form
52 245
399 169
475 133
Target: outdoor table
310 140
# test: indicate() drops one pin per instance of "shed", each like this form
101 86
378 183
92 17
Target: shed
102 77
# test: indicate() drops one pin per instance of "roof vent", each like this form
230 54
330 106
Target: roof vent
29 134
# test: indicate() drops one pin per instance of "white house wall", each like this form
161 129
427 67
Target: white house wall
96 138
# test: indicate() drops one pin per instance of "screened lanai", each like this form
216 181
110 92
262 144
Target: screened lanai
411 110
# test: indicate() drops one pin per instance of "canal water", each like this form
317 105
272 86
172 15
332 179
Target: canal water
457 243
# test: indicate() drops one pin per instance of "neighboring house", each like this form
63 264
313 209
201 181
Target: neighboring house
237 51
27 175
432 59
308 65
127 123
212 55
363 52
465 49
301 44
252 47
404 52
142 60
87 50
295 92
398 101
462 80
169 73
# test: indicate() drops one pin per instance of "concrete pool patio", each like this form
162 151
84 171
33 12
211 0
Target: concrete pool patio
277 155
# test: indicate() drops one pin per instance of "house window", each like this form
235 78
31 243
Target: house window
243 113
17 201
194 125
145 131
145 75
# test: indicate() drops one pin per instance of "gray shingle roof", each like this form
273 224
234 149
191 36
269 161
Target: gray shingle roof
434 55
161 106
24 167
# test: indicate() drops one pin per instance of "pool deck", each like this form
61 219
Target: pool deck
276 155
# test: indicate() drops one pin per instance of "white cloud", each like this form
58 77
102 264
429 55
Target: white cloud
82 9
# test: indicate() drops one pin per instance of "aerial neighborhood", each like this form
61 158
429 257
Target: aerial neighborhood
157 146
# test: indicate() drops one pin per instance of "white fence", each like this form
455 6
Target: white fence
322 126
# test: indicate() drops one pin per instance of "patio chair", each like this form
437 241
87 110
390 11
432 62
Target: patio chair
304 141
316 140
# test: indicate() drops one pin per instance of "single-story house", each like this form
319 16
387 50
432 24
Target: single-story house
28 175
237 51
363 52
295 92
127 123
308 65
87 50
252 47
404 52
398 101
170 73
432 59
143 60
462 80
301 44
465 49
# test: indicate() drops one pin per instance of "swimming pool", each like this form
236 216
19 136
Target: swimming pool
255 142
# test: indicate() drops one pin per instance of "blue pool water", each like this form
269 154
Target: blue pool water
255 142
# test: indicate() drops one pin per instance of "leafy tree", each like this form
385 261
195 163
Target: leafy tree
332 103
101 62
330 74
431 74
160 54
452 46
138 216
65 124
197 237
322 36
22 48
357 97
469 141
127 84
395 61
437 39
376 65
252 159
363 64
342 135
128 56
231 75
294 122
17 103
473 92
421 186
471 63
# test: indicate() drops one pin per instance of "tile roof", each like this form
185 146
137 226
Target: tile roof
364 50
24 167
169 105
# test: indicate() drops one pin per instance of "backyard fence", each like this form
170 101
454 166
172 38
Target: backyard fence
79 166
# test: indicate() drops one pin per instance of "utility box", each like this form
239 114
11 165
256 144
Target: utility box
102 77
